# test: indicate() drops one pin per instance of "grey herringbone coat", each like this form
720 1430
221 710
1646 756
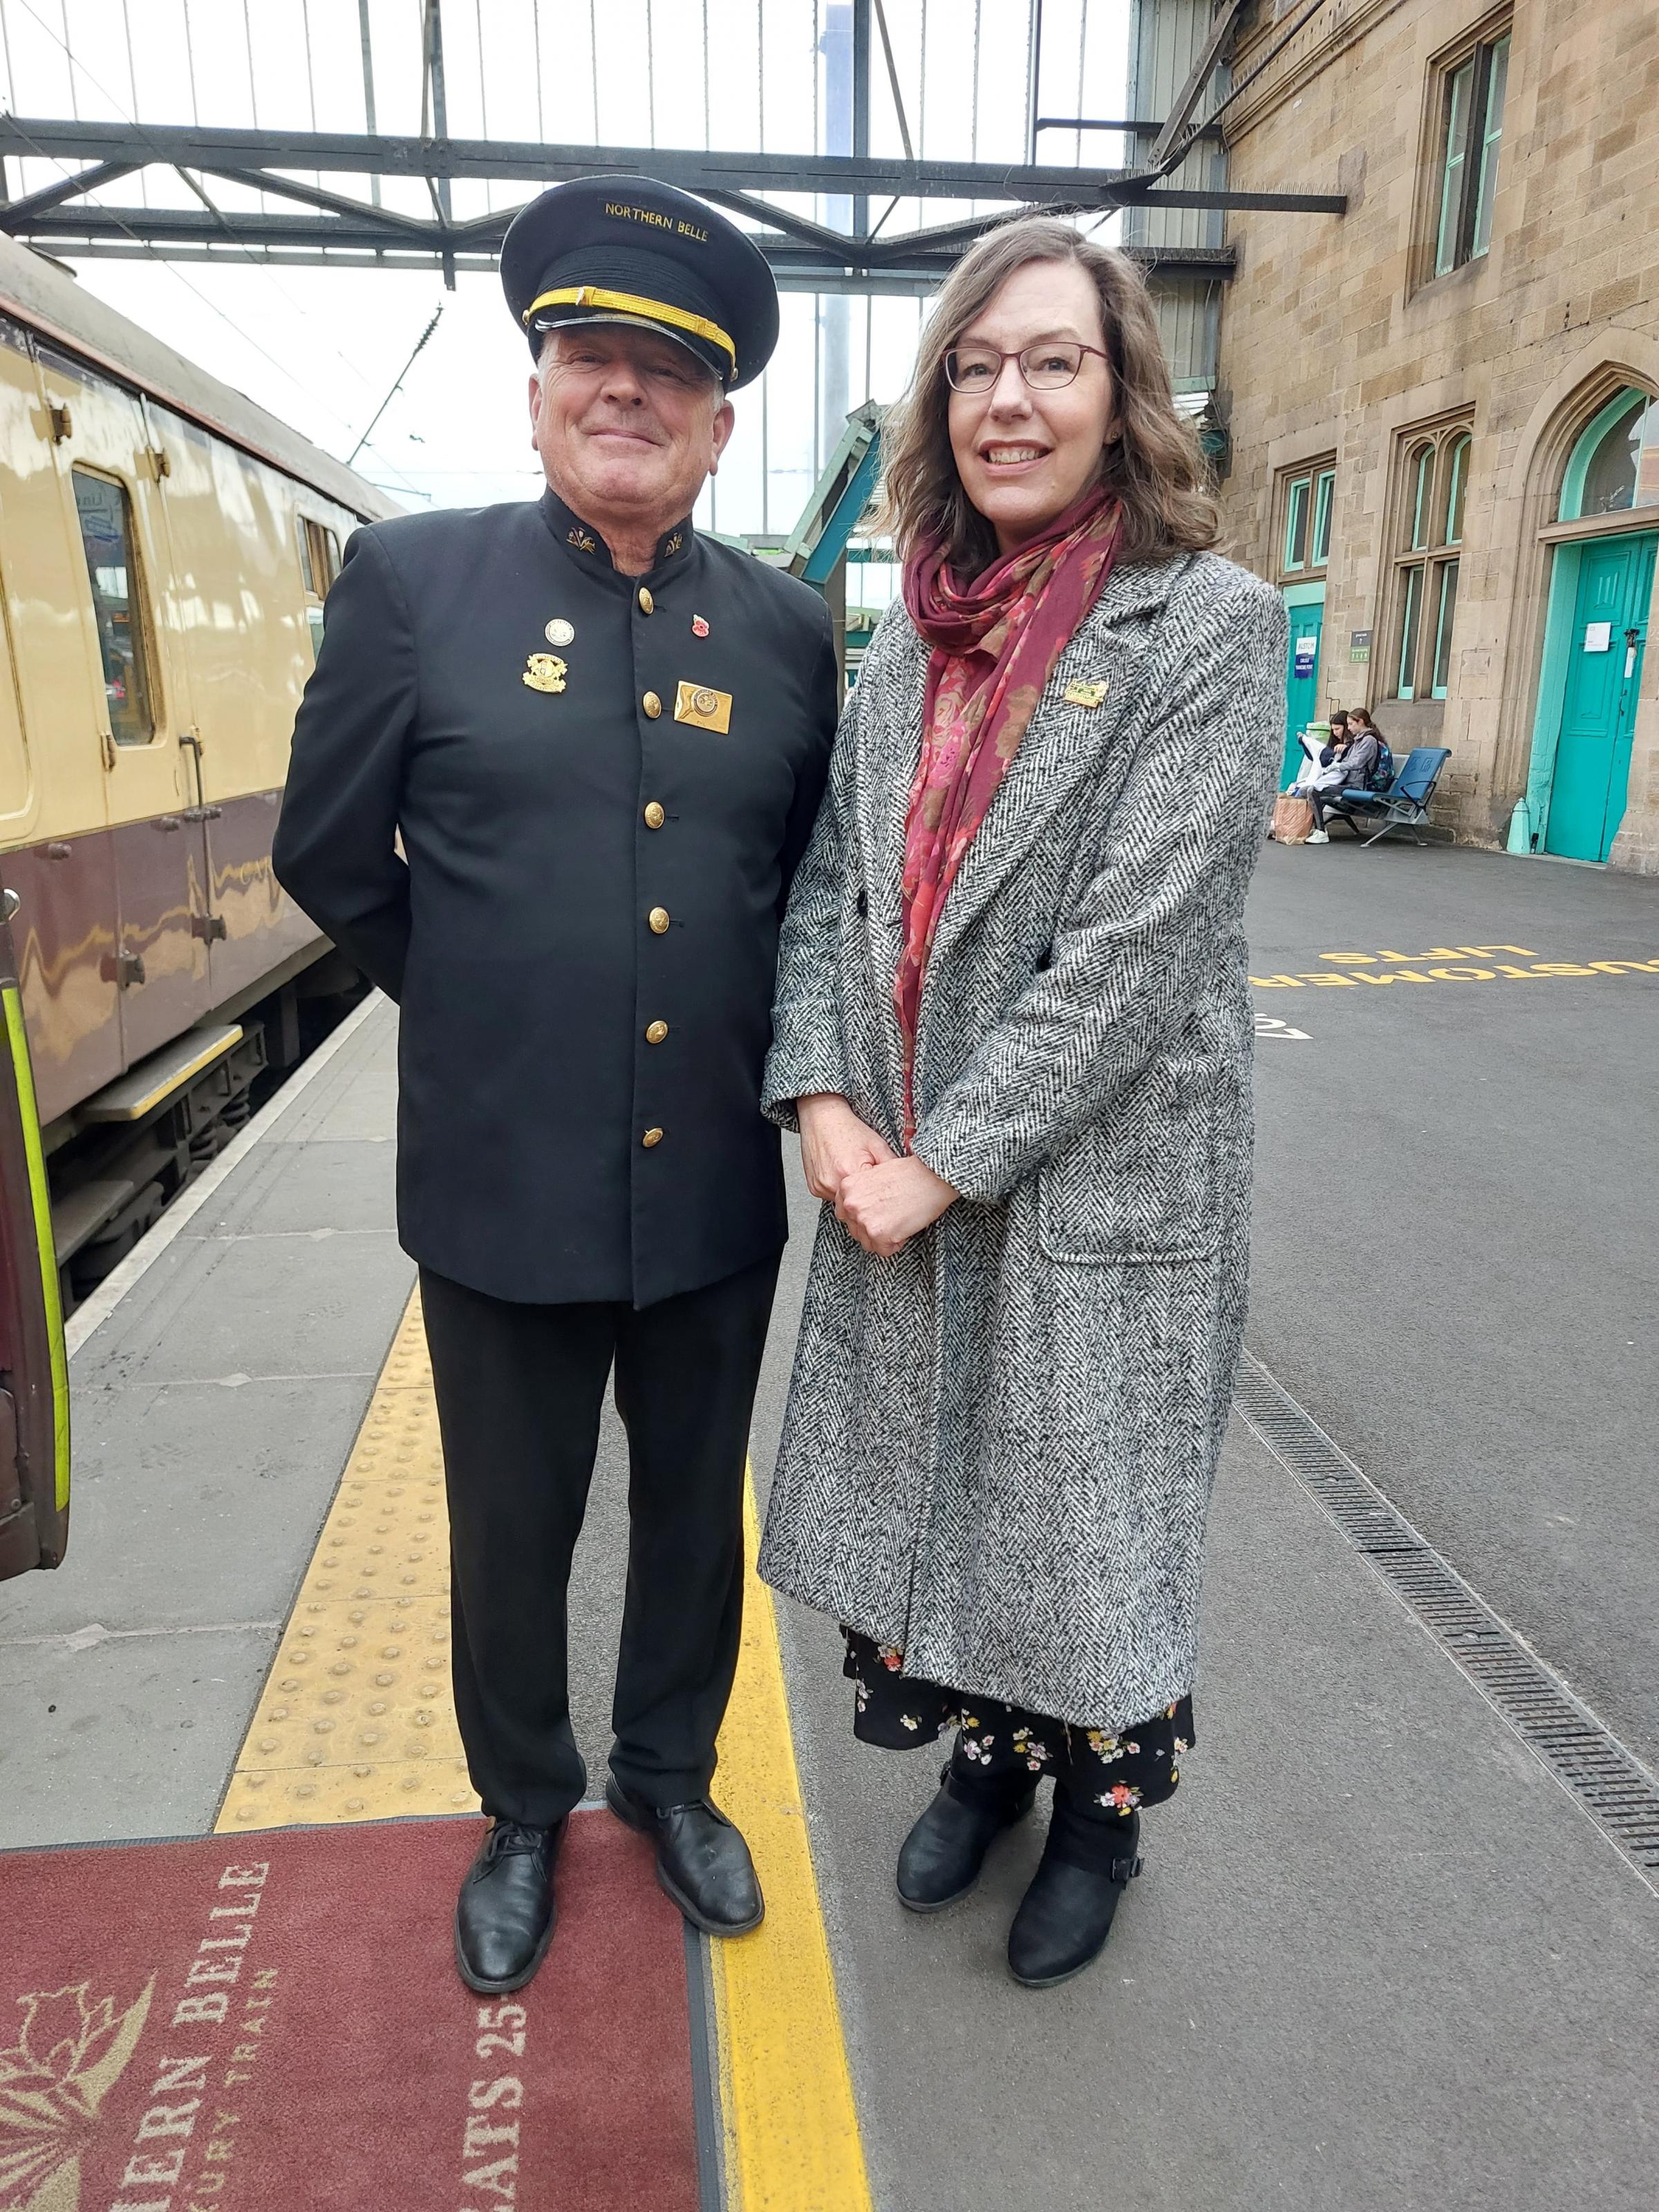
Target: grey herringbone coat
1000 1443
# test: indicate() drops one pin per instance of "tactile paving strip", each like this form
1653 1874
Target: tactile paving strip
355 1721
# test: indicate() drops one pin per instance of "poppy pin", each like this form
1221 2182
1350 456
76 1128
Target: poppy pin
699 627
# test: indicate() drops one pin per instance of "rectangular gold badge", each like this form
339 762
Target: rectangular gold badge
1085 694
706 709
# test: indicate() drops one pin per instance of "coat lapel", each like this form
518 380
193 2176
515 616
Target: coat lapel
1063 744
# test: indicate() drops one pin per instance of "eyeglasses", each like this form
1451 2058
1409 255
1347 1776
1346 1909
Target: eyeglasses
1049 365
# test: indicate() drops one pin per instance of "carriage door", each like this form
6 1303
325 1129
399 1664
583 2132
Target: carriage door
111 476
35 1409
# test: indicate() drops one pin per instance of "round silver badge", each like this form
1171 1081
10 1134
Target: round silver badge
559 631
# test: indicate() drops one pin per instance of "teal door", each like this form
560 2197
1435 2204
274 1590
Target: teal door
1598 713
1301 685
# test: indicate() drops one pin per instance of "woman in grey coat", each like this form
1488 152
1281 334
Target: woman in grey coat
1013 1026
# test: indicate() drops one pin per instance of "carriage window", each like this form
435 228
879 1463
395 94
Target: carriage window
108 540
320 564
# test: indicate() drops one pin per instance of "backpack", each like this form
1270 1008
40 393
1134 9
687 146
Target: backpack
1383 769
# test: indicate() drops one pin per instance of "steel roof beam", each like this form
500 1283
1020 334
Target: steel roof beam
254 151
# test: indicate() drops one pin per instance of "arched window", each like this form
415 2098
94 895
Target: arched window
1615 465
1433 491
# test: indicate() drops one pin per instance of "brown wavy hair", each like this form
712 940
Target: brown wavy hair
1153 462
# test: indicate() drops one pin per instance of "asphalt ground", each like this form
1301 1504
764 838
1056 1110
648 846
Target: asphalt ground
1456 1257
1379 1959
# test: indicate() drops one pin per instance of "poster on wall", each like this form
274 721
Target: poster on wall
1307 651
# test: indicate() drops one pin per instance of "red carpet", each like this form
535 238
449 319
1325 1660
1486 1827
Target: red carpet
274 2024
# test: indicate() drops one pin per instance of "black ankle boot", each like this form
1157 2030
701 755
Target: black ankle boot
944 1854
1065 1916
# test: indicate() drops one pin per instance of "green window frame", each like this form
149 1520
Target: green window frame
1492 134
1457 487
1434 473
1410 623
1296 526
1309 498
1324 498
1447 608
1471 136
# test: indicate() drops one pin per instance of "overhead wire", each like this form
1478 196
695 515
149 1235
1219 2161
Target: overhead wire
1082 51
172 269
62 11
281 290
190 68
536 25
593 57
132 82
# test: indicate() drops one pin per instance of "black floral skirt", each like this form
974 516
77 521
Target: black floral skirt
1101 1773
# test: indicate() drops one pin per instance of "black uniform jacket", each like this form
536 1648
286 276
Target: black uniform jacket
581 928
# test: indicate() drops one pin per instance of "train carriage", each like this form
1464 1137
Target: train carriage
165 546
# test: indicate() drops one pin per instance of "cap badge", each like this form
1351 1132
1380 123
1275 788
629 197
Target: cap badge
673 543
699 627
544 671
583 540
559 631
703 708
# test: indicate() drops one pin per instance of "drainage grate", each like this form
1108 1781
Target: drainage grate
1611 1783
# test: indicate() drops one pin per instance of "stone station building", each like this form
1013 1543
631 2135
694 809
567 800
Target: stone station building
1443 406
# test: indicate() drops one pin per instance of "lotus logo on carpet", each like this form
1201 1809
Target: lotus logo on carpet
69 2055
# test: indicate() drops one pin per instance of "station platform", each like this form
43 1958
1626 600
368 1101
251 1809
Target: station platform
1388 1952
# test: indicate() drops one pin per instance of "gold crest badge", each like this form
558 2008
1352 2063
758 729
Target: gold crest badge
1085 694
704 708
544 671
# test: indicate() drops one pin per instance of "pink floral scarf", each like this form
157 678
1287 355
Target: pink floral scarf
995 643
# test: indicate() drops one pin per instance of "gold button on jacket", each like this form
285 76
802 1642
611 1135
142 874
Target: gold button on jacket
650 1137
659 920
648 605
656 1033
651 705
654 817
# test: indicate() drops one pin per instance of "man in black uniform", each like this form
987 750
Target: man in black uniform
602 741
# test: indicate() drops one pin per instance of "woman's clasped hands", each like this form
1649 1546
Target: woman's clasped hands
881 1199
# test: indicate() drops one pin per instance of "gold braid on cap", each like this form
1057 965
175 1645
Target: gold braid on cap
625 303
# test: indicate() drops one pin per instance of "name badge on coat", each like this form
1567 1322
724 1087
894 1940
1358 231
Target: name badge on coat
704 708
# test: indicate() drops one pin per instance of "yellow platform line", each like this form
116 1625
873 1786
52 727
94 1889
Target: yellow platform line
356 1722
792 2129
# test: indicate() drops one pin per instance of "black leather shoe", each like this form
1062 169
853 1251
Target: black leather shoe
1065 1916
944 1855
504 1914
702 1862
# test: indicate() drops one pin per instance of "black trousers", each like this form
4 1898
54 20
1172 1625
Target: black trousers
519 1390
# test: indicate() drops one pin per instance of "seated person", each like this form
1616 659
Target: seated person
1318 752
1358 756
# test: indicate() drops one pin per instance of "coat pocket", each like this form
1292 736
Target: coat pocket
1144 1183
